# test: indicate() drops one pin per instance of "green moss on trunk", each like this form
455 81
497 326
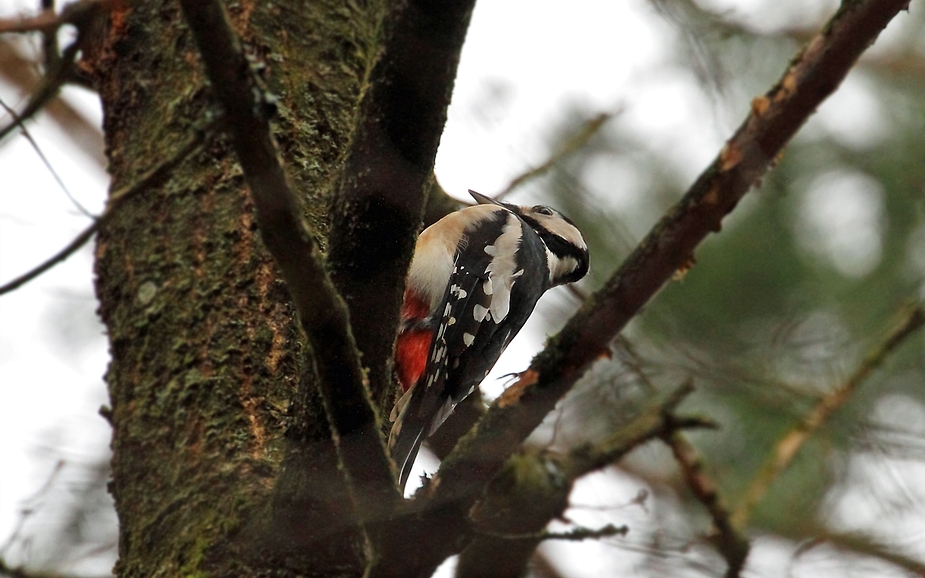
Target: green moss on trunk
204 348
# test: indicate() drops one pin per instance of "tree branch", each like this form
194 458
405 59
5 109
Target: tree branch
44 159
51 85
866 545
47 22
323 315
152 178
775 117
80 14
790 444
731 544
20 71
533 489
587 130
389 167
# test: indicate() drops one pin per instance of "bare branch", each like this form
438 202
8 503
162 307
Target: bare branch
790 444
775 117
50 48
533 489
322 312
151 178
576 535
51 85
568 148
80 14
866 545
44 159
21 72
731 544
47 22
581 534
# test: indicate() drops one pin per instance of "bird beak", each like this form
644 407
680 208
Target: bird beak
482 199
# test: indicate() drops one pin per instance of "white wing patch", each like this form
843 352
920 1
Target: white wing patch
500 270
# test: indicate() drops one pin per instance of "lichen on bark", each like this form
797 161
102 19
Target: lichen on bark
204 349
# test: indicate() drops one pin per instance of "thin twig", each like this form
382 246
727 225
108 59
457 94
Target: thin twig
72 247
38 151
64 70
47 22
580 534
27 510
21 72
867 545
50 50
730 543
51 85
533 489
568 148
575 535
149 179
786 449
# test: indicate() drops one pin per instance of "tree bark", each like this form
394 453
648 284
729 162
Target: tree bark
204 349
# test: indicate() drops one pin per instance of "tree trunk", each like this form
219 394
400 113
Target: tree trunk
205 350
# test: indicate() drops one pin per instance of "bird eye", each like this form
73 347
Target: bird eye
542 210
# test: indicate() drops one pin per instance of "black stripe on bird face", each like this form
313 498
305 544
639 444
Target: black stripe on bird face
563 250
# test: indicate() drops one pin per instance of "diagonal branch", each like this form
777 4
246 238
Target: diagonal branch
572 145
867 545
19 71
774 118
790 444
80 14
152 178
323 315
51 85
389 167
534 487
47 22
44 159
731 544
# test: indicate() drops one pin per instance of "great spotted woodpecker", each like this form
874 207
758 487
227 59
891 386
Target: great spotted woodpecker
474 280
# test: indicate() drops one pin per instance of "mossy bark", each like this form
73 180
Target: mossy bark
205 351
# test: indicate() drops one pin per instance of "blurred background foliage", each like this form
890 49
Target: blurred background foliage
806 277
781 307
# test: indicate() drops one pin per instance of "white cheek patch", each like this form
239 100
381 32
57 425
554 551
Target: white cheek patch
559 267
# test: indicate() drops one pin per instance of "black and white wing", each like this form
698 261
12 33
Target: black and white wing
499 273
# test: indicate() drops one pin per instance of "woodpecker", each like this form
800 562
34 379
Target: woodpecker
475 278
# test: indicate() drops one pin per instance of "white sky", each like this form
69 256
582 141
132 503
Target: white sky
600 53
